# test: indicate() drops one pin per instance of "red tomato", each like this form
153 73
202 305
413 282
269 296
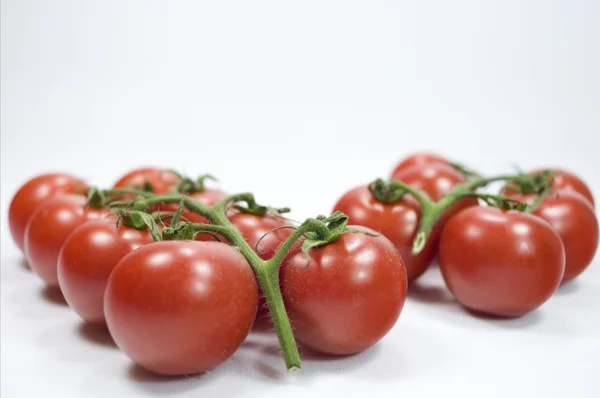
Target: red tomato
398 221
419 159
349 296
32 194
436 180
253 228
565 180
49 228
573 218
181 307
161 180
503 263
86 260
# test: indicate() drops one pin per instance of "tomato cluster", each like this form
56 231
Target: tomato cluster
180 273
502 255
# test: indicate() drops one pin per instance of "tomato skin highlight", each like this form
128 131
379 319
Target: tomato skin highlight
181 307
87 259
32 194
49 228
397 221
162 181
502 263
573 218
349 296
419 159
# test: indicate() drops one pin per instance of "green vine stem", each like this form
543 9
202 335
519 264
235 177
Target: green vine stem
267 272
392 190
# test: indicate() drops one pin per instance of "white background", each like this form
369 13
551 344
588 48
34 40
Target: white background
298 102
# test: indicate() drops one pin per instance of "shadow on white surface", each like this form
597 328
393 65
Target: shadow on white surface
24 264
569 288
430 294
53 295
96 335
157 385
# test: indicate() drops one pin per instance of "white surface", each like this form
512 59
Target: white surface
297 102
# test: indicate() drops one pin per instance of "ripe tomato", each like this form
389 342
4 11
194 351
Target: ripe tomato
436 180
161 180
350 294
86 260
573 218
419 159
35 192
49 228
181 307
398 221
504 263
253 228
565 180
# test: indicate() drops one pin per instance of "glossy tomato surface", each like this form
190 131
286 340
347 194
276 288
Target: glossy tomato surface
350 294
419 159
87 259
503 263
398 221
49 228
161 180
32 194
181 307
573 218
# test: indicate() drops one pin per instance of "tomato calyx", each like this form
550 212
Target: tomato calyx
386 191
526 184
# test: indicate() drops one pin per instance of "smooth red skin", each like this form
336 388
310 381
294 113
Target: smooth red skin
49 228
161 180
573 218
87 259
32 194
397 221
502 263
181 307
419 159
253 228
436 180
565 180
348 297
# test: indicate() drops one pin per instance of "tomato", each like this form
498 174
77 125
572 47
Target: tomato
86 260
50 226
181 307
398 221
419 159
350 294
573 218
253 228
503 263
35 192
162 181
563 181
436 180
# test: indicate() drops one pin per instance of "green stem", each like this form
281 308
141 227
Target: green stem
536 203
